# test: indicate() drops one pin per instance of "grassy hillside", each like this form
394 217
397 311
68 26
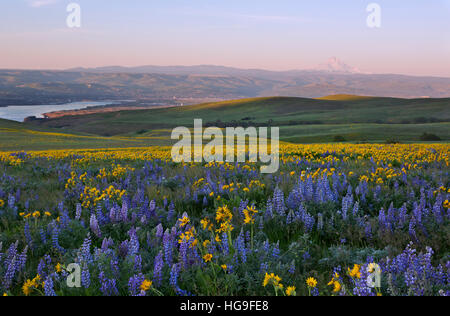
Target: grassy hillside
18 136
301 120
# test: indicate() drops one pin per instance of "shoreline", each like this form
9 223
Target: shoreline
100 109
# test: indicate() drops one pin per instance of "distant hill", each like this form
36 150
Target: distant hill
20 87
300 119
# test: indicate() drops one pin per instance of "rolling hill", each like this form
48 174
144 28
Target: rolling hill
300 119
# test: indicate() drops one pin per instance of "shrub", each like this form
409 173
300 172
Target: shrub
339 139
429 137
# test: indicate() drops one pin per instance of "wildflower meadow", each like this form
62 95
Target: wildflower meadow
131 222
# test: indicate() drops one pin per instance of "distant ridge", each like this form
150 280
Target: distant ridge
344 97
22 87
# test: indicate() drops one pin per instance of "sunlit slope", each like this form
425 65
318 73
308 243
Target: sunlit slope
280 111
19 136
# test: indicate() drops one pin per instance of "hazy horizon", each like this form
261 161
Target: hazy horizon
414 37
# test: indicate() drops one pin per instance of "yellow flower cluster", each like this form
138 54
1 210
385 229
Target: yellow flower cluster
146 285
249 215
117 172
35 214
311 282
335 282
30 285
91 195
224 218
355 272
272 279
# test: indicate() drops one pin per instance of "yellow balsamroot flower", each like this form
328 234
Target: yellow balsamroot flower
446 204
225 227
184 221
224 267
271 279
58 268
335 282
146 285
290 291
355 271
47 214
311 282
207 257
205 224
217 238
206 243
223 214
249 214
4 294
2 203
30 285
337 286
36 214
186 236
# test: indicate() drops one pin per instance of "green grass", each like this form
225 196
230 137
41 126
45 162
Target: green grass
301 120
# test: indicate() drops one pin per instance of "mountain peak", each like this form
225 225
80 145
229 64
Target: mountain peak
335 65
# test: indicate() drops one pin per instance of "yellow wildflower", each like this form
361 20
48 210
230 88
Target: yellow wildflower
207 257
355 271
311 282
290 291
146 285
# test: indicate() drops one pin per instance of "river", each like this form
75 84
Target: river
20 112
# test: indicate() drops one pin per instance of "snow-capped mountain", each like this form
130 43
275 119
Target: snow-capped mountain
335 65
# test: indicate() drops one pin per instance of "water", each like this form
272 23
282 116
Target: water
19 113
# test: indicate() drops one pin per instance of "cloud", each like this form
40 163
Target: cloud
42 3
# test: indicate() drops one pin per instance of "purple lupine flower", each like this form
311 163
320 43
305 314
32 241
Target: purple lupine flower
276 251
55 240
107 286
85 276
43 235
174 275
171 212
168 247
78 211
239 245
159 231
224 245
269 213
27 234
183 254
135 283
157 270
95 226
133 245
278 202
48 287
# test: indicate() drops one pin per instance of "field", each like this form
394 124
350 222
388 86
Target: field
301 120
136 223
